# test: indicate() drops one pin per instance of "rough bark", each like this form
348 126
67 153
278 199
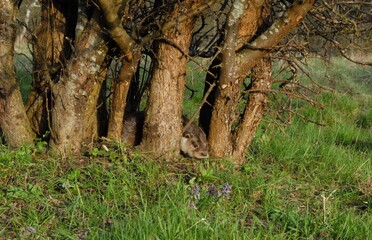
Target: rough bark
248 57
248 24
224 113
76 94
51 48
13 119
258 96
227 92
163 124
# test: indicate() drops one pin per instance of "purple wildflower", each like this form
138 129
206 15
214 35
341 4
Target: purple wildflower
212 191
195 191
226 190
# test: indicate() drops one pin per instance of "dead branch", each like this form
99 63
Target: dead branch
290 94
204 100
306 119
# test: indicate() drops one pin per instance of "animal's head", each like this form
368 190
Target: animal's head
194 142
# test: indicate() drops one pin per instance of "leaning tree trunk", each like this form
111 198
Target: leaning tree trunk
163 125
13 119
76 93
261 82
131 56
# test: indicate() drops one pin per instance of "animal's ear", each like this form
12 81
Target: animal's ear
187 135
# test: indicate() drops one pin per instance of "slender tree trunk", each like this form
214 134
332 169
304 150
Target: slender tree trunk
131 51
13 119
260 84
76 94
121 88
163 124
207 108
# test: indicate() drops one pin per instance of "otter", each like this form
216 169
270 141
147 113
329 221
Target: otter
193 143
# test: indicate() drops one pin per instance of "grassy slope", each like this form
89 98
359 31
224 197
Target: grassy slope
312 182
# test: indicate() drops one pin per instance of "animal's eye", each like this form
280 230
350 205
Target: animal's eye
187 135
195 144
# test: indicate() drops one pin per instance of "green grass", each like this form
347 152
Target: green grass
23 68
195 81
311 182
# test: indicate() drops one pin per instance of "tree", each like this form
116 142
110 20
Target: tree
76 43
13 118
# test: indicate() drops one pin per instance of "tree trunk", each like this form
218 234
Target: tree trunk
163 124
51 48
76 94
260 84
13 119
228 90
248 25
207 108
221 139
121 88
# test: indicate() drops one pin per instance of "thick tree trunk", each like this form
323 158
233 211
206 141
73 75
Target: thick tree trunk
13 119
93 122
163 124
76 94
228 90
221 139
248 25
51 48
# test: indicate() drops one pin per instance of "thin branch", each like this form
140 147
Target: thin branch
204 100
306 119
115 28
278 30
188 56
342 51
291 94
193 91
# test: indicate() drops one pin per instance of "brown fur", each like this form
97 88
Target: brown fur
193 143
